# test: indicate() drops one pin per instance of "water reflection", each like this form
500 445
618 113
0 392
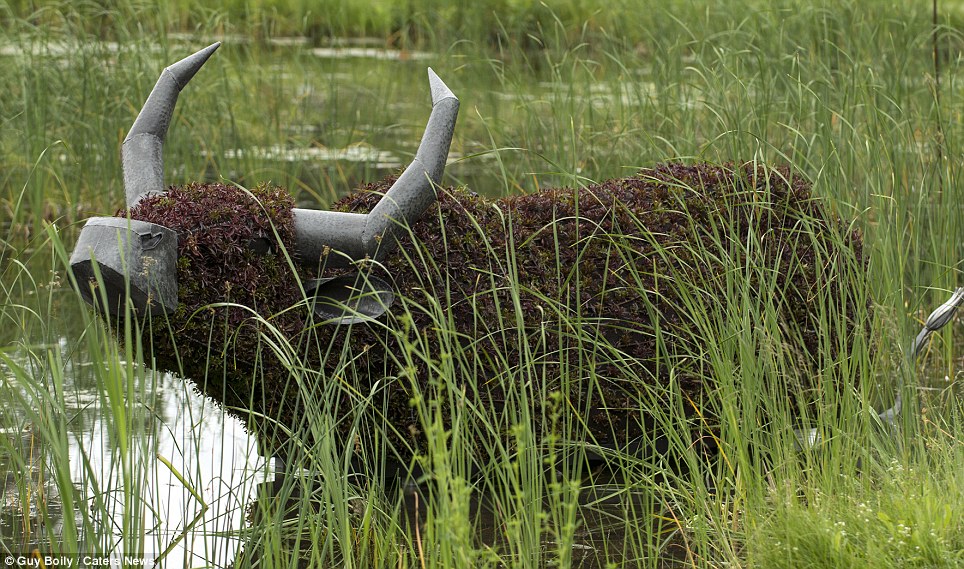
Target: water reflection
210 451
30 506
370 53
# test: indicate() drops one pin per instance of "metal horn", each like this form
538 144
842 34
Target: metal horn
142 153
137 260
356 236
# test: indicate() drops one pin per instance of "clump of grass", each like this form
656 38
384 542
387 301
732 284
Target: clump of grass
897 514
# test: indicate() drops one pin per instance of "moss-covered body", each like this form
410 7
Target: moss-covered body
578 292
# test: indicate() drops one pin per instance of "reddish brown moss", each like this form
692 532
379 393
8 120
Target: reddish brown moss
228 240
572 249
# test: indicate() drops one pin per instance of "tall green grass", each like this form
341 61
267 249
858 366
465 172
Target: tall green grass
39 465
557 94
501 24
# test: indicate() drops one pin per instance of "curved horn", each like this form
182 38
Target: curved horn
136 260
375 234
142 154
414 191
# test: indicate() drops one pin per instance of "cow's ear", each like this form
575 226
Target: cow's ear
350 299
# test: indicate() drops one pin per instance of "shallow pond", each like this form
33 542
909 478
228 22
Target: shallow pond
210 451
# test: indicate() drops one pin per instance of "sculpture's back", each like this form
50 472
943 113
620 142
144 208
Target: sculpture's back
581 300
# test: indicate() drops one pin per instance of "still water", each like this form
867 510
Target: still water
176 430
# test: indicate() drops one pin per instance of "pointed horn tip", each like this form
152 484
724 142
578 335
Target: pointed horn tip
185 69
210 49
202 55
440 90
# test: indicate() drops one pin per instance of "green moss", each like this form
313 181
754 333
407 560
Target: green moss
545 273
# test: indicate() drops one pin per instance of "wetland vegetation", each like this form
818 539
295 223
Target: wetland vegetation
100 455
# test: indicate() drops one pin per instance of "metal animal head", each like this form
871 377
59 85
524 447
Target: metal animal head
137 260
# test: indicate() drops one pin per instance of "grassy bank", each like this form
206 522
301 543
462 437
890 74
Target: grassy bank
849 95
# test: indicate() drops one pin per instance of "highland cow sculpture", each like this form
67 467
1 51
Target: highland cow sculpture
581 294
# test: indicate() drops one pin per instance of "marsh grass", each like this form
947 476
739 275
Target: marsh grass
551 95
531 484
56 515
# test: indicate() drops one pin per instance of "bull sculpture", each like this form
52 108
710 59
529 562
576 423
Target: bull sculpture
582 295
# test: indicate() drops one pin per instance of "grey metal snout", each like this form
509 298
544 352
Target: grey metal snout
135 259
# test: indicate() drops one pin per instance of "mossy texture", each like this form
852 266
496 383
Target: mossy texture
234 287
581 292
